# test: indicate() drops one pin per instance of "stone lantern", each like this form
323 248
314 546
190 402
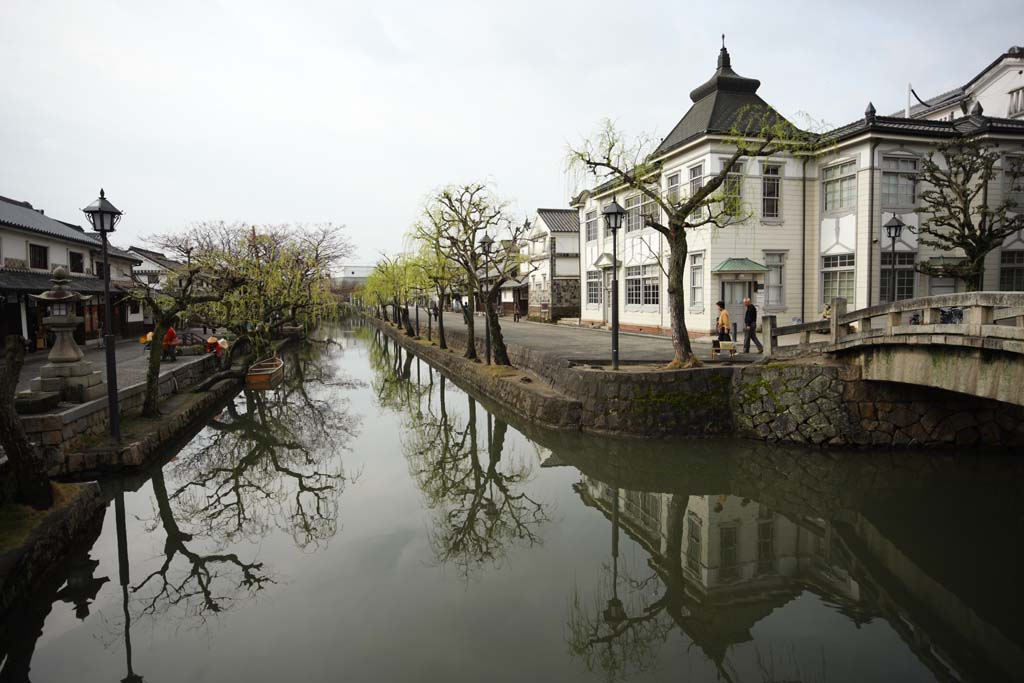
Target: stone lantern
67 373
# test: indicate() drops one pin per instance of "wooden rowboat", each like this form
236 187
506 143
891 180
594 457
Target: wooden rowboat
265 374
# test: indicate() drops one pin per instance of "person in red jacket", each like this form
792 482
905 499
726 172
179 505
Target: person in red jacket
170 344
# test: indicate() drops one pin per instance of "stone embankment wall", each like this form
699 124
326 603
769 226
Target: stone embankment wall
800 403
61 431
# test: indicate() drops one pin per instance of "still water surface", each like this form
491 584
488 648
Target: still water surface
370 521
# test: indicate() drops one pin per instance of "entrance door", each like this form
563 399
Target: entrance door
733 294
607 308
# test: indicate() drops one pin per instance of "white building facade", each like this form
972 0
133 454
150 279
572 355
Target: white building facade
551 251
813 224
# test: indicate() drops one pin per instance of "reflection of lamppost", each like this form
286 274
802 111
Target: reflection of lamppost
486 243
613 214
104 216
893 229
614 614
123 575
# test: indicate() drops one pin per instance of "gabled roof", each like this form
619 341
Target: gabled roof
22 215
957 95
156 257
716 107
974 124
739 265
560 220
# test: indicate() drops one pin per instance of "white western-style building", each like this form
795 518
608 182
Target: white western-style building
814 224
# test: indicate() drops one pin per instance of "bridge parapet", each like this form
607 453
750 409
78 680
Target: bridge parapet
988 320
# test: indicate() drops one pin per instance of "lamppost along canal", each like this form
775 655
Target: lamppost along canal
486 242
613 214
893 230
104 216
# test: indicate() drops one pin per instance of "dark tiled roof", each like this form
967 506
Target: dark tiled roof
156 257
717 106
966 126
560 220
27 281
958 94
23 216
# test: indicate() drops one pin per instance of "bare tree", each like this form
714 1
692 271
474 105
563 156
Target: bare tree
958 212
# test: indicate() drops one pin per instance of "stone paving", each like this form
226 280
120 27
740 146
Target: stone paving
585 343
131 363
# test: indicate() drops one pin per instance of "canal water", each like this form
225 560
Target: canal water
370 521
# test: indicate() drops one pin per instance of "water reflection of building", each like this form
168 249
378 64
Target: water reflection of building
740 560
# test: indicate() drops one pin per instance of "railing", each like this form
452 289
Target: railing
970 315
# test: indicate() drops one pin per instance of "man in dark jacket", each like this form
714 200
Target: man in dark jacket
749 323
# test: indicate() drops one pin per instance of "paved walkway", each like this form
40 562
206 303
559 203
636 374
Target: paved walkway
131 363
584 343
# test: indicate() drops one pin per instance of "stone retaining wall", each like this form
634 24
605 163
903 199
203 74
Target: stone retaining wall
60 431
796 403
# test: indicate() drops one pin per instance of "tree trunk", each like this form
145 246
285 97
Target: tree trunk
384 312
442 343
31 482
467 315
151 403
498 350
409 331
683 356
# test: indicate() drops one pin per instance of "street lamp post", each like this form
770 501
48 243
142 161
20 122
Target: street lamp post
613 214
893 229
104 216
486 243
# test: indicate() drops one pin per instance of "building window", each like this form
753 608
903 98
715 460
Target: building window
774 293
904 276
652 285
697 280
38 257
837 277
839 186
633 285
133 306
693 545
607 231
899 174
771 190
152 279
732 190
765 546
728 556
696 182
639 208
1016 102
591 225
1011 271
673 193
76 262
1015 179
98 268
593 286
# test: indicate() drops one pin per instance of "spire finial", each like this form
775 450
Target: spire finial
102 195
869 113
723 41
723 55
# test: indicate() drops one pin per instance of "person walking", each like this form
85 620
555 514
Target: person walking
723 326
749 325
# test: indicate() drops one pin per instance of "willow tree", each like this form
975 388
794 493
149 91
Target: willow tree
958 210
282 277
628 165
441 272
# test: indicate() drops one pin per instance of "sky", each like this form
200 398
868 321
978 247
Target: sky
353 112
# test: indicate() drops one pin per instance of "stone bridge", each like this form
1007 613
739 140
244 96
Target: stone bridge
970 343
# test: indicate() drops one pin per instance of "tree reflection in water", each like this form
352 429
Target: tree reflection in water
270 461
475 490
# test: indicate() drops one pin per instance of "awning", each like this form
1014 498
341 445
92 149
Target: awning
36 283
605 260
739 265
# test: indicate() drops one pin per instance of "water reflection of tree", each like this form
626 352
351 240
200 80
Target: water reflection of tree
477 494
271 460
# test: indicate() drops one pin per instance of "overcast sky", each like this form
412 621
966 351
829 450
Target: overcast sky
271 112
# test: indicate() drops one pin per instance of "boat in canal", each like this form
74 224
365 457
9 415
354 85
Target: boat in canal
265 374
